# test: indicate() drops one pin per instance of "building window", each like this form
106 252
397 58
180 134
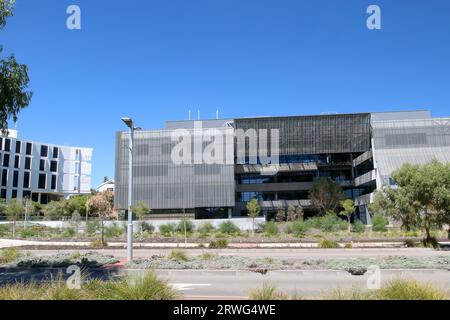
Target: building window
26 179
14 194
16 162
42 181
42 165
4 177
7 145
77 155
44 151
35 197
26 194
53 181
3 194
28 149
6 160
15 179
1 143
55 152
53 166
18 145
27 163
75 183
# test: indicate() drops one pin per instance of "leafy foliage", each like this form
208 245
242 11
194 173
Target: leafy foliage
228 227
325 195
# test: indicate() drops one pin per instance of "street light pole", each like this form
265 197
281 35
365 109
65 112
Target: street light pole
130 125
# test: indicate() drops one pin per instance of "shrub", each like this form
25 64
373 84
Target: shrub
328 223
228 227
207 256
205 228
379 223
401 289
267 292
358 226
4 229
328 244
299 227
218 244
8 255
177 255
69 233
167 229
113 230
92 226
190 226
147 227
34 231
271 228
98 243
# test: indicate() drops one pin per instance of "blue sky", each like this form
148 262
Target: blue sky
155 60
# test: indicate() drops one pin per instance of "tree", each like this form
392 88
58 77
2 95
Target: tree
348 210
100 205
13 211
325 195
141 210
294 213
253 210
75 220
54 210
281 214
76 203
13 78
424 190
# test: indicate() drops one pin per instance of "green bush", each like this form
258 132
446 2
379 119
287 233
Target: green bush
113 230
8 255
271 228
147 227
205 228
92 226
218 244
267 292
299 227
177 255
228 227
167 229
190 226
328 223
358 226
98 243
69 233
379 223
4 229
328 244
401 289
35 231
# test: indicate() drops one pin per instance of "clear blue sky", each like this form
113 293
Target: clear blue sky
155 60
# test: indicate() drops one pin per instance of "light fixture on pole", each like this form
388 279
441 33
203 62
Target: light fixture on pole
129 123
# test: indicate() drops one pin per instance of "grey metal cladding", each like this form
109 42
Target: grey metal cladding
316 134
163 184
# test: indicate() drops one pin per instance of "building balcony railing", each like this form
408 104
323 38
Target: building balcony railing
364 199
365 178
363 157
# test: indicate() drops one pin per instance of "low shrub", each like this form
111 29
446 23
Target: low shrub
185 223
379 223
299 227
92 227
167 229
206 228
35 231
328 244
218 244
177 255
207 256
228 227
328 223
271 228
8 255
402 289
114 230
98 243
358 226
147 227
267 291
4 229
69 233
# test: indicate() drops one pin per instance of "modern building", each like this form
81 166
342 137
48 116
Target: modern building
176 169
107 185
42 171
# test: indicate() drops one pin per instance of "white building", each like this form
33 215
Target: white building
108 185
42 171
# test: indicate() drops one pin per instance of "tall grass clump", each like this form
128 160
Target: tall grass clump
167 229
271 228
177 255
328 244
8 255
409 289
267 291
205 229
299 227
228 227
185 225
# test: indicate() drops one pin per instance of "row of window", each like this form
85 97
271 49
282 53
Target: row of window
28 148
42 181
42 167
26 194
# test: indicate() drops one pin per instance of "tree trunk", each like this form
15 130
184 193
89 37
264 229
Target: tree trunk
349 225
14 229
103 241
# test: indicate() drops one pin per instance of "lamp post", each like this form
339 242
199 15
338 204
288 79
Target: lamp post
129 123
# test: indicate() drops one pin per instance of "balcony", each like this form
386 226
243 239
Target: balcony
365 178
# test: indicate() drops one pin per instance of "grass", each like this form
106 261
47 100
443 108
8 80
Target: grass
98 243
267 291
218 244
207 256
177 255
8 255
145 287
328 244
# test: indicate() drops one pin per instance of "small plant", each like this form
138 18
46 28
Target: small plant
206 228
147 227
167 229
402 289
177 255
271 228
114 230
379 223
348 245
267 291
185 224
92 227
98 243
207 256
69 233
328 244
228 227
299 228
218 244
8 255
358 226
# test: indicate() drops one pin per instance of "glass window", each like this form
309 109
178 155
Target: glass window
42 181
18 145
3 193
42 165
7 145
28 149
53 181
4 177
55 152
53 166
1 143
6 160
26 179
14 194
26 194
15 178
16 162
28 163
44 151
35 197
